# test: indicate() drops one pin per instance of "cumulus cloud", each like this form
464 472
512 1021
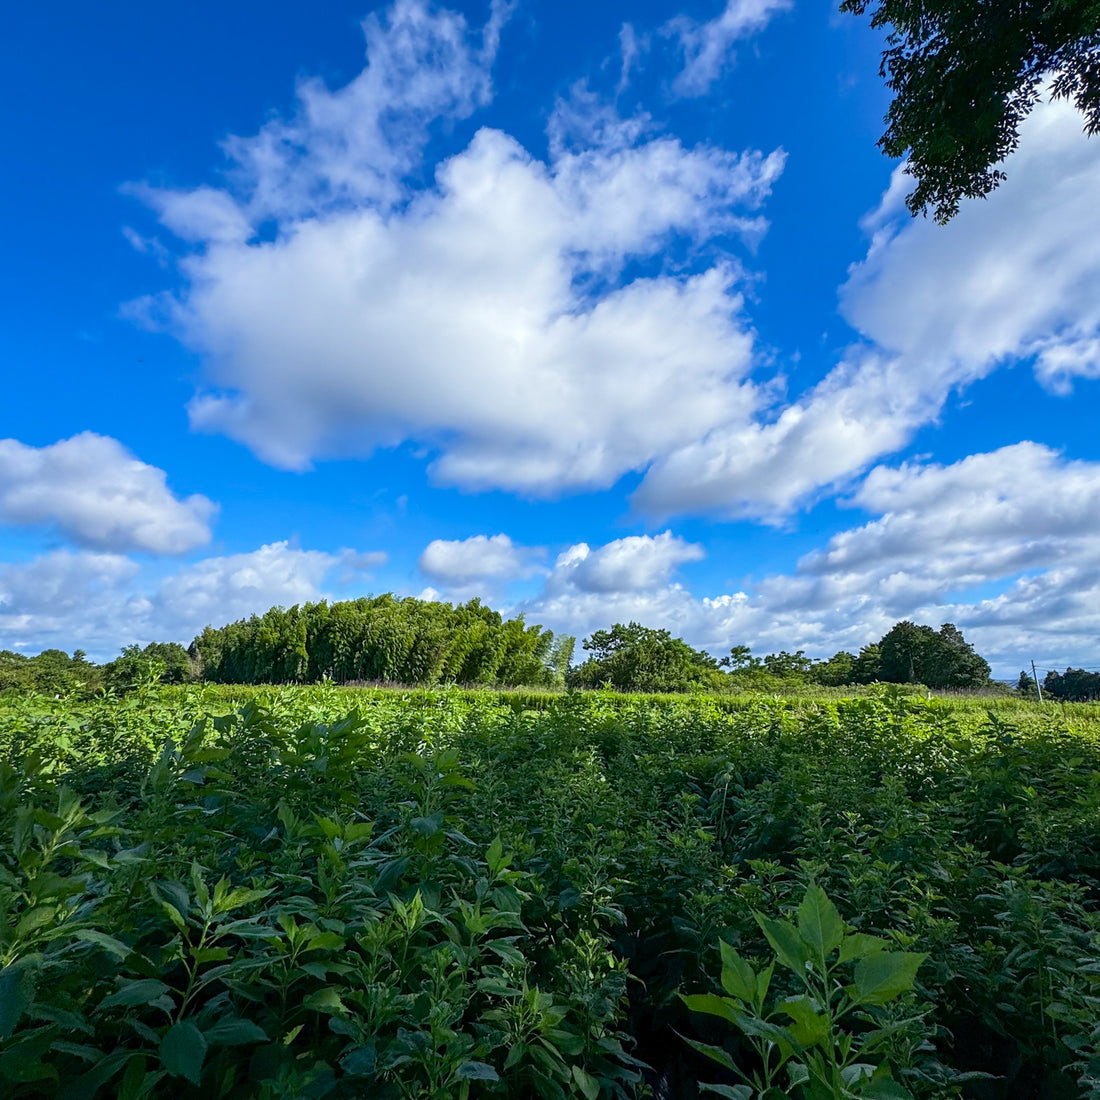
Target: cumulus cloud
632 564
487 316
101 602
496 319
1010 278
454 562
1022 519
708 47
94 491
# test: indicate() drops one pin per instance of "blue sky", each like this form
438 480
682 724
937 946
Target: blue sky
600 314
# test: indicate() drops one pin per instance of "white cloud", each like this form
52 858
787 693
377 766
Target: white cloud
485 317
221 590
94 491
100 602
481 557
490 319
708 47
1059 363
632 564
631 46
1009 278
461 322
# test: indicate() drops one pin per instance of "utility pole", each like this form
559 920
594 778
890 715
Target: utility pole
1035 677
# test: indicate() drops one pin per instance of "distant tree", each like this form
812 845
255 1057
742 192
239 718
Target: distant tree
16 673
909 654
158 662
637 658
740 658
1025 686
1074 685
902 651
788 666
867 667
838 670
965 75
953 663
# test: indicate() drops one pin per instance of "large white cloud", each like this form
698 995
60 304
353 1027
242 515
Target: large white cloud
1009 278
95 492
495 319
486 316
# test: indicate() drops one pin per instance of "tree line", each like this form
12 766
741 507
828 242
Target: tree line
638 658
412 641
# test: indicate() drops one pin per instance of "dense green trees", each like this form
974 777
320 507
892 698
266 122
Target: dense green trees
158 662
639 658
965 75
906 654
383 638
912 654
51 672
1074 685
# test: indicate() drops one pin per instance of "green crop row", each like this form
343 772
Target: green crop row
322 892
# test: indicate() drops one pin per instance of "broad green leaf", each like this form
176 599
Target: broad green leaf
202 894
209 954
182 1051
324 941
34 919
885 975
143 991
133 1080
819 923
427 826
234 1032
711 1004
477 1071
239 897
16 996
810 1026
495 855
797 1073
108 943
733 1092
715 1054
325 1000
360 1062
785 942
855 1073
738 977
885 1089
172 893
859 945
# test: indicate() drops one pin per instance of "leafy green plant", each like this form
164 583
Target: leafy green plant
825 1041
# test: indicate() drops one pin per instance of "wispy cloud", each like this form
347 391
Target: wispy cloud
707 47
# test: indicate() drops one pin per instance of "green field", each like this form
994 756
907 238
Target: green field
308 892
